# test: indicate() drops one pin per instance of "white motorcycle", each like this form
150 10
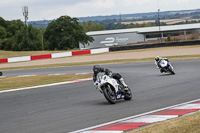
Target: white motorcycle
112 89
166 66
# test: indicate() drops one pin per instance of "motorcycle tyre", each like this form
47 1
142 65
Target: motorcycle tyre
108 97
1 73
171 71
128 96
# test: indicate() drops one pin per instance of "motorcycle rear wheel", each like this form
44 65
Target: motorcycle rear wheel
109 97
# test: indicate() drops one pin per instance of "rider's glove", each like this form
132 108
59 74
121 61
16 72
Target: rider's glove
110 74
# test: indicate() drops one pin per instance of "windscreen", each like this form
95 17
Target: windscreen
99 76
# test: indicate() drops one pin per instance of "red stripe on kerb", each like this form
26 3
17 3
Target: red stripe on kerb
81 52
4 60
36 57
196 102
121 126
175 112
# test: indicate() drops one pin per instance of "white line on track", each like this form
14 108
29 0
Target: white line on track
28 88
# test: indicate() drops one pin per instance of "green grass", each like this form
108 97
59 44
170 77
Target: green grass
7 83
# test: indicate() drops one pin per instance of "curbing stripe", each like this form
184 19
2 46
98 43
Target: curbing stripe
147 118
174 112
189 106
152 118
103 132
121 126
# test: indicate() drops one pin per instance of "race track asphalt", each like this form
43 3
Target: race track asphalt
70 107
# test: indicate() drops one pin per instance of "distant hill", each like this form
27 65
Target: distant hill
145 16
190 14
40 23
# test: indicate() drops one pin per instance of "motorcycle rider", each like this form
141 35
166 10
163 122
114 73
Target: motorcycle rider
157 62
117 76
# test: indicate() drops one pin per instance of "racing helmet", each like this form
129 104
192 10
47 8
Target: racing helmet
157 58
96 68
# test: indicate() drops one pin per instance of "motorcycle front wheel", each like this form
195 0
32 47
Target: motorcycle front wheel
171 71
128 94
109 95
1 73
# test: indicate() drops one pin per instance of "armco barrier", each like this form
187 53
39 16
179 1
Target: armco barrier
36 57
81 52
54 55
58 55
16 59
3 60
170 44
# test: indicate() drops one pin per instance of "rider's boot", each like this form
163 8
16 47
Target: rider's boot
161 70
123 83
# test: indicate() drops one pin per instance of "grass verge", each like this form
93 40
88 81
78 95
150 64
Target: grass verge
7 83
184 124
103 62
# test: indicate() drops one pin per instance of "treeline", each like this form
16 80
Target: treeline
146 16
16 36
112 24
61 34
187 22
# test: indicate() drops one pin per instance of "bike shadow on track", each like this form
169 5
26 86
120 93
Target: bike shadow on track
107 103
166 74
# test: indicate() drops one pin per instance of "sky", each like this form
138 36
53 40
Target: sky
53 9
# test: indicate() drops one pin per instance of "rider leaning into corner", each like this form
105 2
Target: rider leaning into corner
117 76
157 62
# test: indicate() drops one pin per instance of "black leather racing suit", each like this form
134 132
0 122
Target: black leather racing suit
108 72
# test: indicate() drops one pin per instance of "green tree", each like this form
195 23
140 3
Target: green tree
169 38
65 33
120 26
131 25
14 35
27 39
136 25
3 22
3 33
13 26
89 26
